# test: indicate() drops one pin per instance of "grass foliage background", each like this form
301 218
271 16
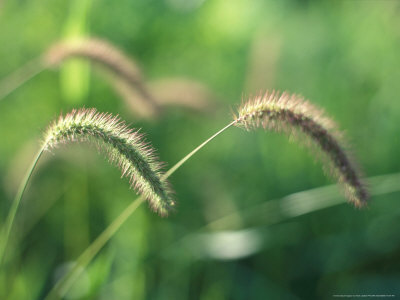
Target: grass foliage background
342 55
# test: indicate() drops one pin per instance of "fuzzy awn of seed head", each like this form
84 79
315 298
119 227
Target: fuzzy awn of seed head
291 114
124 147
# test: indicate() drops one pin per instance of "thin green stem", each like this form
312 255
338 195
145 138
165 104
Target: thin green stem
13 210
183 160
63 285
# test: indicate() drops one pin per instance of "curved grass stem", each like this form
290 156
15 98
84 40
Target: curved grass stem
183 160
13 210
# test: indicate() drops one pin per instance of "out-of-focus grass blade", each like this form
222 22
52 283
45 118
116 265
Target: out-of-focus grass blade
225 242
75 73
305 202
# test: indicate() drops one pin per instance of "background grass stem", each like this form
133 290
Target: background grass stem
20 76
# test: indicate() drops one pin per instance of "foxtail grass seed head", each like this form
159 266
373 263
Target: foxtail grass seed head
289 113
125 148
106 55
97 50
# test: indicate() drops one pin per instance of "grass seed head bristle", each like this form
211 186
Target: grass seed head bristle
125 147
291 114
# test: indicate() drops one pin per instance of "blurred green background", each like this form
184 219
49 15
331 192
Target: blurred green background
343 55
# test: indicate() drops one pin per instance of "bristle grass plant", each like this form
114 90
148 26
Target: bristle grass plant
273 110
284 112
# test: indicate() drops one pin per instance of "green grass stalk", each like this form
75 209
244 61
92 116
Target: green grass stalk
14 208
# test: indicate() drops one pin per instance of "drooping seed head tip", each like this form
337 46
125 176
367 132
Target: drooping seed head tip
125 148
291 114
